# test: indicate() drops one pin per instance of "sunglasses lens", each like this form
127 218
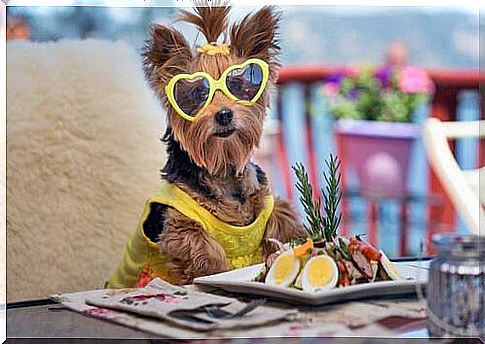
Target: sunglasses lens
191 94
244 83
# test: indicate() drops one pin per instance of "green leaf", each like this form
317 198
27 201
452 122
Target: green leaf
344 249
359 236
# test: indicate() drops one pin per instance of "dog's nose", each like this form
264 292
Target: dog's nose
224 116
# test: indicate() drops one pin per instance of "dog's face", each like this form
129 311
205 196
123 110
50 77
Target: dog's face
224 133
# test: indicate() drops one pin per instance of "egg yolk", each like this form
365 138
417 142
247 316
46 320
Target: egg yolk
320 272
284 267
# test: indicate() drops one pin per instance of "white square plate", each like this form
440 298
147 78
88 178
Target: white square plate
239 281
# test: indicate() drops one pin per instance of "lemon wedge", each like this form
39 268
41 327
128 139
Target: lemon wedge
389 268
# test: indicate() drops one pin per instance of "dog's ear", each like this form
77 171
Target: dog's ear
165 54
256 36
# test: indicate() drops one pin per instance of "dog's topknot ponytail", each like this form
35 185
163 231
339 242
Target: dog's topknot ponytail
210 17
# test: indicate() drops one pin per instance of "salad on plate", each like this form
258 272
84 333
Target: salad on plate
324 260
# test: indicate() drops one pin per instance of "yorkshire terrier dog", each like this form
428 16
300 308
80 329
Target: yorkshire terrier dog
214 209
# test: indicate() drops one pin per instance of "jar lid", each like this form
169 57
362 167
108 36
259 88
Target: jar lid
460 245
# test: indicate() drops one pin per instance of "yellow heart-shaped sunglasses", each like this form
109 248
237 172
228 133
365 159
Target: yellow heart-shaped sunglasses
189 94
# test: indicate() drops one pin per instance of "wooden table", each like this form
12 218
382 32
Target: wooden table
382 317
44 318
49 319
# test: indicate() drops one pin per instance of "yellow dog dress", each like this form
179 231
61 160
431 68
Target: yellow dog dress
142 260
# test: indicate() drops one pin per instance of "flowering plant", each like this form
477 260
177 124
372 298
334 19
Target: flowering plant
379 94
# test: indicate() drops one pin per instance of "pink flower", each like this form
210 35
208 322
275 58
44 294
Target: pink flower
331 89
351 71
415 80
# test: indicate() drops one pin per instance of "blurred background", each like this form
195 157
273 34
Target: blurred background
437 37
317 43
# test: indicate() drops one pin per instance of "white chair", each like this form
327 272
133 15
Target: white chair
462 187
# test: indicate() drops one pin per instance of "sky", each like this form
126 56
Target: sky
471 6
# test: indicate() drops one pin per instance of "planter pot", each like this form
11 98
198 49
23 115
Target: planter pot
378 153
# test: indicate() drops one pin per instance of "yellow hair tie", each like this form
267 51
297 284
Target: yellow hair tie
212 49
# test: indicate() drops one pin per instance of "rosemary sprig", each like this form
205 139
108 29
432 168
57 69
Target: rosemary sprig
332 196
311 207
321 227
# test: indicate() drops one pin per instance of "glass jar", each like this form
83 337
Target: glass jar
455 292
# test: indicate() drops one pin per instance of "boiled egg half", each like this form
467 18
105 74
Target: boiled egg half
284 270
320 272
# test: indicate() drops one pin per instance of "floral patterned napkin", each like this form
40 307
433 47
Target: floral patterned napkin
162 300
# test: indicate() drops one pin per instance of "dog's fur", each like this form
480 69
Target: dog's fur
215 171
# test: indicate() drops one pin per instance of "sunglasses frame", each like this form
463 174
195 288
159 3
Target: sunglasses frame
215 85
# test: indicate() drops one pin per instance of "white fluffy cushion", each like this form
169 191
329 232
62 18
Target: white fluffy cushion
83 154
